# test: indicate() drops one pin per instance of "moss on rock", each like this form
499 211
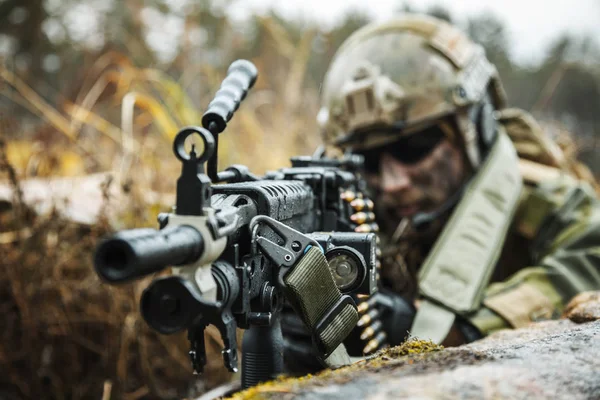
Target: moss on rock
282 385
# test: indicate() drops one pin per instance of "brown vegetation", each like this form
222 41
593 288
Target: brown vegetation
66 334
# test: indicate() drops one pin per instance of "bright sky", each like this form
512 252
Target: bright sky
532 24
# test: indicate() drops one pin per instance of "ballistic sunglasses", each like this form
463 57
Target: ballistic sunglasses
409 149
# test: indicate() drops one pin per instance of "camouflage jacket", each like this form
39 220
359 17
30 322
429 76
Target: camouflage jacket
552 251
551 254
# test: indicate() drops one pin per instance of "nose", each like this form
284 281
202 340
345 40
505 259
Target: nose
394 175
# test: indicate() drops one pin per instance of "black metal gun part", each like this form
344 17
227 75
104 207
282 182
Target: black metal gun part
219 277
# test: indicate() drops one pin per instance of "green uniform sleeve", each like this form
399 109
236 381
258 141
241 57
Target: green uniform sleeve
565 217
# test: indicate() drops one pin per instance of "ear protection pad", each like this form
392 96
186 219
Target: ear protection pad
486 126
482 116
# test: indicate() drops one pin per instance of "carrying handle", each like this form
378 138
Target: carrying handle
241 76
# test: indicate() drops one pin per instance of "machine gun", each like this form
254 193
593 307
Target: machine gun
241 245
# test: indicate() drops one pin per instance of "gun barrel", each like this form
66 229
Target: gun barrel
135 253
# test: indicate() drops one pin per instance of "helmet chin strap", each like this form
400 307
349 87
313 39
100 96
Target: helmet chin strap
421 220
485 123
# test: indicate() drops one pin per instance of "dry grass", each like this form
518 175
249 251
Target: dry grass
66 334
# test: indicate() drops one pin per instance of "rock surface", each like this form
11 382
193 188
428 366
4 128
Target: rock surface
547 360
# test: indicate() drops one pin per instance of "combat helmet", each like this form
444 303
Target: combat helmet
401 76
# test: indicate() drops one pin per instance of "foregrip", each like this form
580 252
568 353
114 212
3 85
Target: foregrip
135 253
241 75
262 358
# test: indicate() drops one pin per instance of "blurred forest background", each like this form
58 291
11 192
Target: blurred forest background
93 87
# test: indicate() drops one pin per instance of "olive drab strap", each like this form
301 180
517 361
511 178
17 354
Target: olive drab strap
329 316
307 283
457 270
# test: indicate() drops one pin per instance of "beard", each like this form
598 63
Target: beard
433 182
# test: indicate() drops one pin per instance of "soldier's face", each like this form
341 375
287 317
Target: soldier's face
416 174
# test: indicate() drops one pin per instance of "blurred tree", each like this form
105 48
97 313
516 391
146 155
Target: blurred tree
21 23
439 11
568 87
404 7
489 31
326 43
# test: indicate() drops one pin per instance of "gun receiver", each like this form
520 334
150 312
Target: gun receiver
238 248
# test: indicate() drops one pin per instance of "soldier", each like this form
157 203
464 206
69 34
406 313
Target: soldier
483 225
